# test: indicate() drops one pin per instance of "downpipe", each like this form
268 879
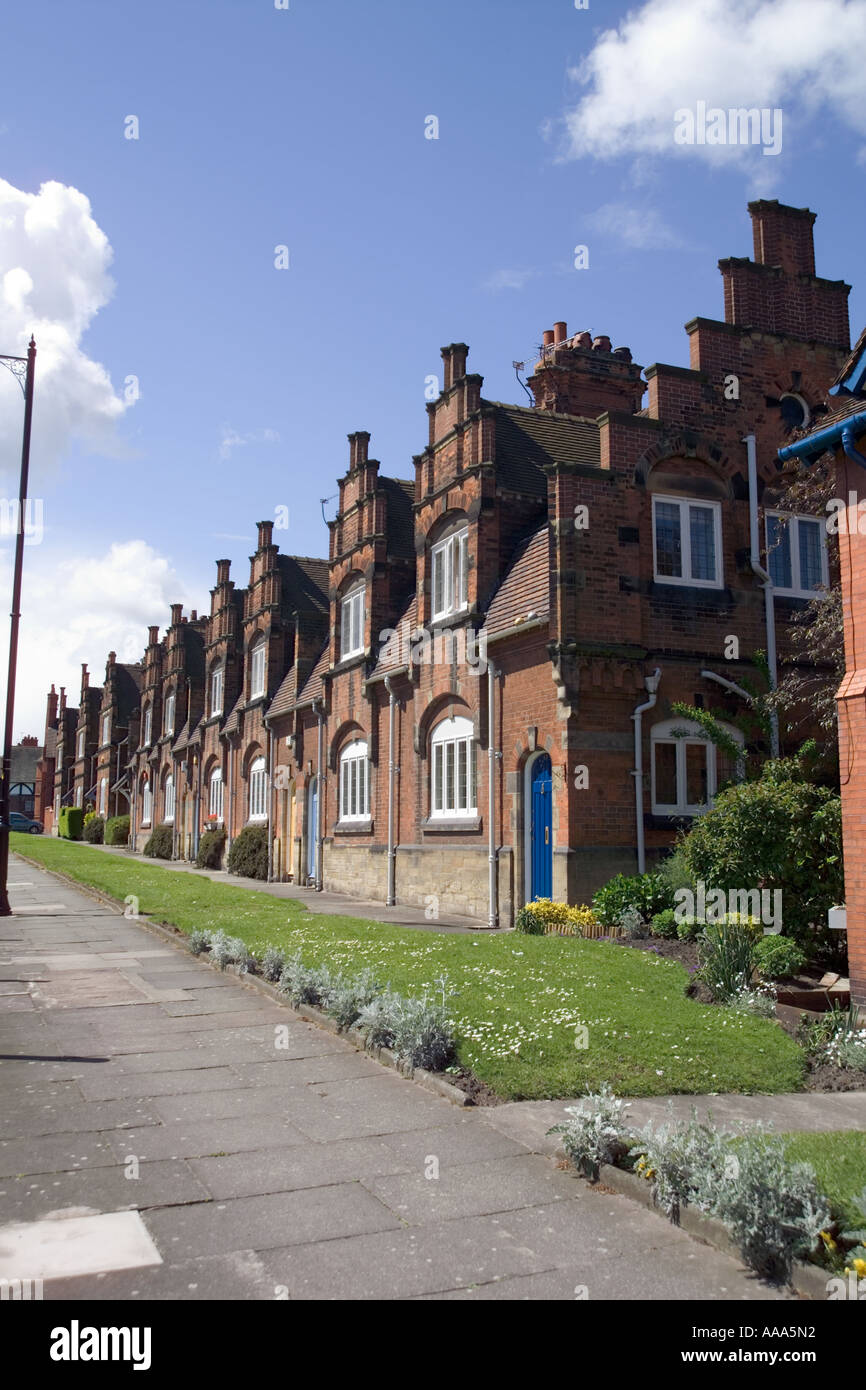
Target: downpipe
652 685
493 883
320 796
766 583
393 770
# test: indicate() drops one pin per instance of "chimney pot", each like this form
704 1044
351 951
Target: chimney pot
560 332
582 340
193 617
601 343
548 337
623 352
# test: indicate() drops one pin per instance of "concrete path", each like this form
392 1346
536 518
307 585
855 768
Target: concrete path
331 904
528 1122
170 1133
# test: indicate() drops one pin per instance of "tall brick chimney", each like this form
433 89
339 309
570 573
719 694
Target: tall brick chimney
584 376
51 709
782 236
266 534
223 568
176 614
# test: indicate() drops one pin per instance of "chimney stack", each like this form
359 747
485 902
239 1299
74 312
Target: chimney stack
176 614
783 236
51 710
583 376
454 364
359 444
266 534
62 699
85 676
153 635
223 567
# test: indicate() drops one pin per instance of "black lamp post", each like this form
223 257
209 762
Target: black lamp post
23 368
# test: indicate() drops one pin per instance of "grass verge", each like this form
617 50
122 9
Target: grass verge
517 1002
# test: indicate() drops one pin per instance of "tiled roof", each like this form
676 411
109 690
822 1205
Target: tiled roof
526 586
527 439
23 762
182 739
306 578
231 724
856 359
197 734
394 653
401 521
314 688
50 743
285 696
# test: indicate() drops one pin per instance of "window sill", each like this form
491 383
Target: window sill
436 825
354 827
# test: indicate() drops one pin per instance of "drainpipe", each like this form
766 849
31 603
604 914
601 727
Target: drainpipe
229 822
766 582
850 430
393 769
652 685
493 884
175 780
320 798
744 695
813 445
196 806
270 805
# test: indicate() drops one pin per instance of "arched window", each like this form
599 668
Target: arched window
215 794
452 769
146 803
355 781
103 795
352 622
147 728
257 668
448 568
258 789
687 769
169 798
217 678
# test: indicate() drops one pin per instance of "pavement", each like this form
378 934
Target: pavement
168 1132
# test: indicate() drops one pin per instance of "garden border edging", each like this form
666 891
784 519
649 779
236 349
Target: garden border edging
428 1079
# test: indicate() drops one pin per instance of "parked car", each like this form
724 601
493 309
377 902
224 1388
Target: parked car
18 821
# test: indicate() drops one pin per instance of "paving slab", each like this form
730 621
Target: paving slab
265 1171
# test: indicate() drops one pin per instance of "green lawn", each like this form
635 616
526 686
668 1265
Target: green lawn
518 998
839 1159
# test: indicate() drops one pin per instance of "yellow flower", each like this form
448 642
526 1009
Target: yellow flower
828 1240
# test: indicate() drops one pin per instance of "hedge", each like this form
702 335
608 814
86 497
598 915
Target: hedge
248 856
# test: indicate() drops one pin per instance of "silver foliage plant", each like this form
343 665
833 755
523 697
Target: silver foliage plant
683 1159
273 963
305 984
199 941
349 995
596 1133
230 950
417 1031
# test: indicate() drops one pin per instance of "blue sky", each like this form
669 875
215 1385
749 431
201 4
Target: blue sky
305 127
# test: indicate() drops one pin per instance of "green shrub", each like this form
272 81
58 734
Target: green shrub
727 957
210 850
248 855
94 829
70 823
664 923
689 928
117 830
160 844
780 832
778 956
646 893
529 922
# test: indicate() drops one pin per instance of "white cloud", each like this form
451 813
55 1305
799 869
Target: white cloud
78 607
640 228
232 440
509 280
53 280
797 55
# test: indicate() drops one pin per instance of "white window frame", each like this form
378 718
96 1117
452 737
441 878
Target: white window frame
258 794
352 617
449 559
216 794
82 733
106 727
663 734
452 746
147 731
103 795
168 720
684 503
78 796
169 799
217 689
355 781
795 591
146 803
257 668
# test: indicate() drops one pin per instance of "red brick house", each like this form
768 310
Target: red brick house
469 703
842 431
117 730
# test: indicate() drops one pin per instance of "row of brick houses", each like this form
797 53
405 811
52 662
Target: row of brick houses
469 703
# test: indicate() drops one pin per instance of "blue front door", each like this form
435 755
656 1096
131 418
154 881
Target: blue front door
312 826
541 828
